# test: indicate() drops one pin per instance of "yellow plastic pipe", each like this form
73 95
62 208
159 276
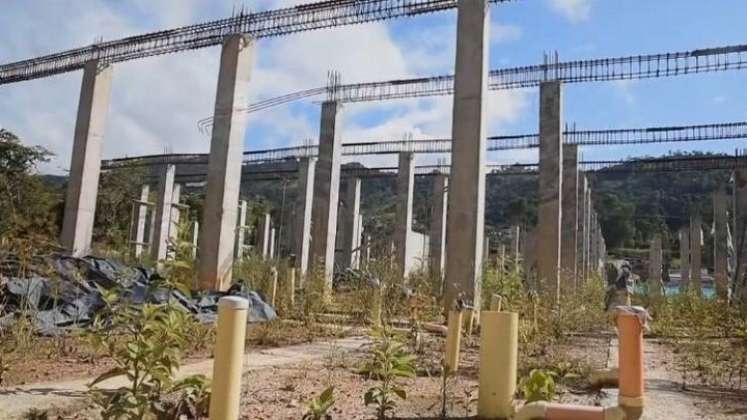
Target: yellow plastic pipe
229 358
630 364
453 341
499 340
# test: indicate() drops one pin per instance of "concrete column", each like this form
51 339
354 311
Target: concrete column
437 239
218 236
403 217
739 287
176 197
305 194
594 244
569 221
85 164
720 246
588 208
165 191
142 215
195 236
271 247
654 280
550 184
583 185
516 244
326 190
465 224
264 230
696 253
350 224
684 234
241 229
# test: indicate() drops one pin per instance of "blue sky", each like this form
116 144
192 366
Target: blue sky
156 102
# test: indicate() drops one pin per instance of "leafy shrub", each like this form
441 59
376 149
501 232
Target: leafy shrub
538 386
388 362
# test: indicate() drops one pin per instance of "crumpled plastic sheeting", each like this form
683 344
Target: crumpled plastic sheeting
70 299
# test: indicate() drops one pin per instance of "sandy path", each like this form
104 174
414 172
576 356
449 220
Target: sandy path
15 401
665 398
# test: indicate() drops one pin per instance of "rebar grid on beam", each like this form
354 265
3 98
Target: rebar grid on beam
595 70
269 23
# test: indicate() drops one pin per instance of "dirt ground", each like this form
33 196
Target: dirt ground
66 358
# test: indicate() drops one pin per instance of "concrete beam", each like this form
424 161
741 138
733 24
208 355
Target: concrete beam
218 236
304 197
696 252
326 192
85 164
160 245
654 280
403 216
142 220
351 224
465 224
437 244
720 246
569 218
684 235
550 184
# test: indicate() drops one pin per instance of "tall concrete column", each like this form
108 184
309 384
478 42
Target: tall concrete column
588 208
583 185
684 235
437 239
569 220
350 224
696 253
403 217
85 163
165 191
516 244
142 215
218 235
720 246
465 224
264 230
594 244
326 190
305 194
654 266
271 246
550 184
241 229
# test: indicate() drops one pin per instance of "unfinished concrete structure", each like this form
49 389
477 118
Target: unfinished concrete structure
437 237
326 189
304 203
569 217
550 184
85 165
264 235
351 234
403 215
218 234
141 220
241 229
164 204
581 255
720 248
465 224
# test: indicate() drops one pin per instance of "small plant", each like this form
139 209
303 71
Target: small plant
147 350
389 361
318 408
538 386
194 399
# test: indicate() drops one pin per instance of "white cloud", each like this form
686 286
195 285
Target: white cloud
156 102
573 10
